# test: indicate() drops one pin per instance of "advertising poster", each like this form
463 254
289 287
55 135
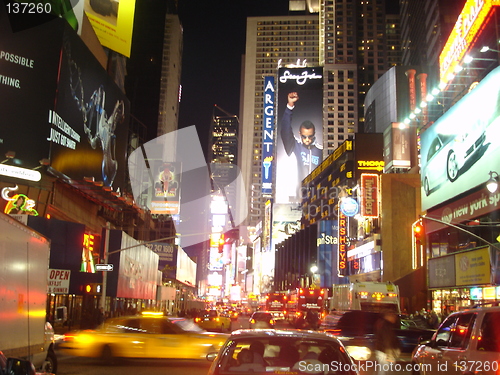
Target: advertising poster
327 247
113 23
29 61
473 267
268 136
442 271
299 148
167 254
167 188
88 128
462 146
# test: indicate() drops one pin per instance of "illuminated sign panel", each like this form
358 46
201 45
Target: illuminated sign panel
342 245
299 148
463 35
460 149
268 136
369 195
112 22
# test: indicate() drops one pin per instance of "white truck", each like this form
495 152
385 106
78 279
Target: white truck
365 296
24 263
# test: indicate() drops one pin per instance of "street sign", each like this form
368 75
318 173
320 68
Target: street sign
104 267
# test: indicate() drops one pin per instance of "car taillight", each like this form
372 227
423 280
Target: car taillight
197 320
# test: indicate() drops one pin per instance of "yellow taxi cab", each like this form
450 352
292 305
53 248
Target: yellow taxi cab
143 336
213 320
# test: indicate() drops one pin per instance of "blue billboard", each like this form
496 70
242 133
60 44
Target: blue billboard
268 136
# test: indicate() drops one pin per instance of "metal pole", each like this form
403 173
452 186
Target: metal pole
105 273
459 228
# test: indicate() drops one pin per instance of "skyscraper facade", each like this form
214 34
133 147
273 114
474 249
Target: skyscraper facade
170 89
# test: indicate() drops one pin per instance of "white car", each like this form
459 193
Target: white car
447 155
467 342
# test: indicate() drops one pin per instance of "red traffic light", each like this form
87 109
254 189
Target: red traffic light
222 241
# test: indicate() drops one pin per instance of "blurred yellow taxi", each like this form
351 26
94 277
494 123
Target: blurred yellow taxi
213 320
143 336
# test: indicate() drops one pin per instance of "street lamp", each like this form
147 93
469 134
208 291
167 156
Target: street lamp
314 268
486 49
492 183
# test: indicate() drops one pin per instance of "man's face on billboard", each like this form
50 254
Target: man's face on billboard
307 136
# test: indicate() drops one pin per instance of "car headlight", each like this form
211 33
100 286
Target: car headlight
359 353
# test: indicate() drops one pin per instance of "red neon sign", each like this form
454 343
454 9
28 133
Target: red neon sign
369 195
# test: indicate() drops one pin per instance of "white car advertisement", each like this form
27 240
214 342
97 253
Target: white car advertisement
460 149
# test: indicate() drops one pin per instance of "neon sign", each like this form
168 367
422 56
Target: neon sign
463 35
19 204
342 248
88 262
369 195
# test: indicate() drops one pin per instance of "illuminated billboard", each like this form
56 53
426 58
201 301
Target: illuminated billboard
167 188
268 136
460 149
113 23
88 127
464 34
369 196
29 63
299 148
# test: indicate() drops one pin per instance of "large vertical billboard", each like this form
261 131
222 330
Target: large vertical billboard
299 148
460 149
58 103
268 136
29 62
88 128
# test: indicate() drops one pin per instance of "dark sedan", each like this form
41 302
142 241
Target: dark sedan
356 330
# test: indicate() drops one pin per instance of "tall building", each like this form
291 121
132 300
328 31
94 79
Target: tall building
354 42
269 41
425 27
170 89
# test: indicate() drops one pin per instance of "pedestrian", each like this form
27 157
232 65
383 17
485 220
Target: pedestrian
387 346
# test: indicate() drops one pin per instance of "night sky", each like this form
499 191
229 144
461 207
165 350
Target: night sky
214 42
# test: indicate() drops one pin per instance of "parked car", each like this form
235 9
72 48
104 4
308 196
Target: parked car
289 351
466 342
213 320
262 319
356 330
143 336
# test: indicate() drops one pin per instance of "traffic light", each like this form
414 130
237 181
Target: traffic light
418 232
222 241
92 288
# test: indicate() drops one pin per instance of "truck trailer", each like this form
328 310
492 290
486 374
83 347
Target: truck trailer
24 330
365 296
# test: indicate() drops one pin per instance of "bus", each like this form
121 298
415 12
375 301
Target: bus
276 303
304 300
366 296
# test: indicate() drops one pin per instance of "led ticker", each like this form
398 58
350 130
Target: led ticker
463 35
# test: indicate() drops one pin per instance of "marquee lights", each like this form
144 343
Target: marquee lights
463 35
